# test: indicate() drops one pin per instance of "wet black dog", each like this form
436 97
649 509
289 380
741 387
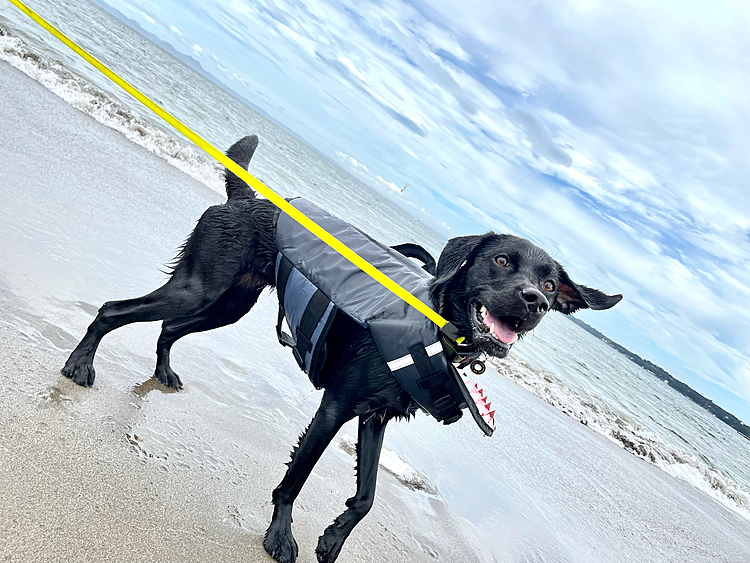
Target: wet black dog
494 288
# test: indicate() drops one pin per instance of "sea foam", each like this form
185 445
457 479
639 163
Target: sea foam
624 431
393 464
93 101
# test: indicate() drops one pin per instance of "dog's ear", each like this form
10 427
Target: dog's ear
571 296
455 254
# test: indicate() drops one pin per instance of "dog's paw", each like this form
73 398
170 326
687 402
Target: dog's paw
167 377
80 370
280 544
329 546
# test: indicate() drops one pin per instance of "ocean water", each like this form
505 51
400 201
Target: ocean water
559 362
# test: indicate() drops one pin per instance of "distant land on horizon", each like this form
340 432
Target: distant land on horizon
675 384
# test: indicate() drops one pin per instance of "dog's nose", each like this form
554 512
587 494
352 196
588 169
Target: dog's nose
535 300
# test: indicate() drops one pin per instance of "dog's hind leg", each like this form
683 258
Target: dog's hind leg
228 309
369 444
331 415
178 297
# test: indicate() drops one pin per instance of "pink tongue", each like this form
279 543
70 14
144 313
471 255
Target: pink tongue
503 332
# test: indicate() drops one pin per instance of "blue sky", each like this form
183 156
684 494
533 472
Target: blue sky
614 134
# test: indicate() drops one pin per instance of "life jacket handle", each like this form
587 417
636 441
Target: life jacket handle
412 250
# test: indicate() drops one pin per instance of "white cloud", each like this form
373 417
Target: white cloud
409 152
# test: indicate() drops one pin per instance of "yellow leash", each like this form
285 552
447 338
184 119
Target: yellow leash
277 200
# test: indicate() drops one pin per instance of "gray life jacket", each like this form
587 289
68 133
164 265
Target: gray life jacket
315 284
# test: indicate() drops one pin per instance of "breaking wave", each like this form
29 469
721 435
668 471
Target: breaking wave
93 101
394 465
624 431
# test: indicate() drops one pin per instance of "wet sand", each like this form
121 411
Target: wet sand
126 471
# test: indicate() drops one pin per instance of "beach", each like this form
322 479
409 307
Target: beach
126 471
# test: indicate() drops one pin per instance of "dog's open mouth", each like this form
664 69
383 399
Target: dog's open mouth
500 328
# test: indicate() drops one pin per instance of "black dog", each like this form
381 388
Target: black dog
494 288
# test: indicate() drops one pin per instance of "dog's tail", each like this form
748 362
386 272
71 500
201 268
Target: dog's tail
241 152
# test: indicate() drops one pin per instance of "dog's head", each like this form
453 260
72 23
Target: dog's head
496 288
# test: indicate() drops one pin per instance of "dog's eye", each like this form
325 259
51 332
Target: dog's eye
549 286
502 260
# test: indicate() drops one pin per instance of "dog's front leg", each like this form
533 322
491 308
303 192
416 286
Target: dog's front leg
331 415
369 444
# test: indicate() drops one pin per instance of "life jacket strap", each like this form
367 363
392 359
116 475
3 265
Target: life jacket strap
284 338
434 382
310 329
310 319
282 277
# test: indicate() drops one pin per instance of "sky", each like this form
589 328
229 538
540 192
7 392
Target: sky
613 134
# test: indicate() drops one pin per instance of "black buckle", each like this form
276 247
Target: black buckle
454 351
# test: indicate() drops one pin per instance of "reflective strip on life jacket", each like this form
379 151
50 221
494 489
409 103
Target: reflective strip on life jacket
408 360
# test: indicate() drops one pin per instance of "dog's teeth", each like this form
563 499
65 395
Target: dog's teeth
483 312
492 328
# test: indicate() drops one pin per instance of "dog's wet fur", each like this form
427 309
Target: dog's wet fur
229 259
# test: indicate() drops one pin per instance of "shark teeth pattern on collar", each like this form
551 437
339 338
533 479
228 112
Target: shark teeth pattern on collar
481 401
